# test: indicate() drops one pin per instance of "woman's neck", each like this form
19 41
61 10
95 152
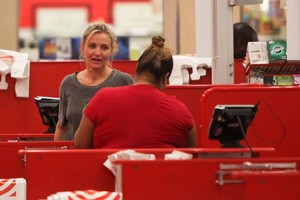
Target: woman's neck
149 80
92 77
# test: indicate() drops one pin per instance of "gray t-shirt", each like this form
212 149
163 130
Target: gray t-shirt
74 96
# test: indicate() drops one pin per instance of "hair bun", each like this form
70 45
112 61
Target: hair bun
158 41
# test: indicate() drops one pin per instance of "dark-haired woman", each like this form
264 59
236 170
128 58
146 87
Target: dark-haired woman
242 34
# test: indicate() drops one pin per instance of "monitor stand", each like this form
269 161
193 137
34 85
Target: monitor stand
231 144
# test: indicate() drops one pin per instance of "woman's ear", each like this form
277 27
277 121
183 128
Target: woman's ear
115 48
81 51
164 81
166 78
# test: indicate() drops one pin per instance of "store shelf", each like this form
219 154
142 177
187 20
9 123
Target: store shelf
286 70
275 67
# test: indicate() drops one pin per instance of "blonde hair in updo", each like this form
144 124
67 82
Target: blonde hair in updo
156 59
158 41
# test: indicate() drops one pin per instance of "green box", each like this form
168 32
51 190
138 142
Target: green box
277 50
283 80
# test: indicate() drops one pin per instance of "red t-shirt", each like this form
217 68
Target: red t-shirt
138 116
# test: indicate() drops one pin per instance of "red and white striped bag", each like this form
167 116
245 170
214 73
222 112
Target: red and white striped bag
13 189
86 195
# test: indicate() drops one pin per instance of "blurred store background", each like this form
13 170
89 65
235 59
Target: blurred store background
268 19
51 29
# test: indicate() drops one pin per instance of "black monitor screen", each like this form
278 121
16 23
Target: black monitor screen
48 109
229 124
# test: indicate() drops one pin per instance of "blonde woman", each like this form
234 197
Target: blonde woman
98 45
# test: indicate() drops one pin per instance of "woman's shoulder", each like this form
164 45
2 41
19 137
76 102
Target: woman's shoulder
70 78
122 75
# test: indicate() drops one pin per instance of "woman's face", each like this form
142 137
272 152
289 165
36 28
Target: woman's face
97 50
